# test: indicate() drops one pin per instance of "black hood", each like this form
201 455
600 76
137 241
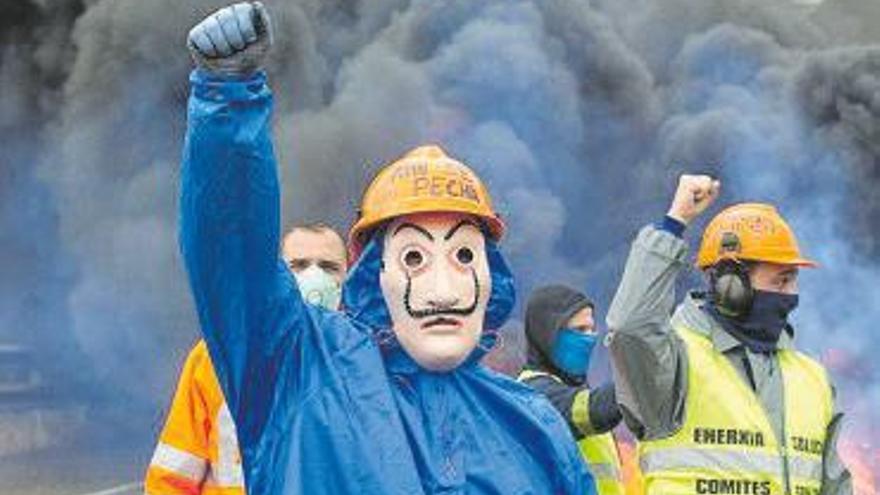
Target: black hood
547 310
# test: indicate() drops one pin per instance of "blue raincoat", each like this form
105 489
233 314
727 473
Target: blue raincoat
325 402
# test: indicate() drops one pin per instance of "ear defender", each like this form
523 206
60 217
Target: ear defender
730 288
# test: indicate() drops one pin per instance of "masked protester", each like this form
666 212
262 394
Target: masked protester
198 451
717 394
561 335
389 397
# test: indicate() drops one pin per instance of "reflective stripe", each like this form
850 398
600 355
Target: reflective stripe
227 471
179 462
580 407
605 470
805 468
580 412
721 460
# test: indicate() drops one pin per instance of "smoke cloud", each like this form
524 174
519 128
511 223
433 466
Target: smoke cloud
579 114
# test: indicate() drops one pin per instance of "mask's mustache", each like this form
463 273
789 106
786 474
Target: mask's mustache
424 313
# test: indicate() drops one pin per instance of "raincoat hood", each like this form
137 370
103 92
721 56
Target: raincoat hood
363 300
547 310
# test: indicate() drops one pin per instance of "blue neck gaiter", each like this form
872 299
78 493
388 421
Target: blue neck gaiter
572 350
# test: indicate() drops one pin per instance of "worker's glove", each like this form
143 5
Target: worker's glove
232 41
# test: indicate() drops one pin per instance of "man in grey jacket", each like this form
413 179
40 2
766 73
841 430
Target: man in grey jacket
718 397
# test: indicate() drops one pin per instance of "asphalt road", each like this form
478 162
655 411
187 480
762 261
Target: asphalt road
85 468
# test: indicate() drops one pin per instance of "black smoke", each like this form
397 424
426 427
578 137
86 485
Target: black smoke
580 115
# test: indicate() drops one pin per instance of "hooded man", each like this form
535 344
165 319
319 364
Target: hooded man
197 452
717 394
561 335
389 397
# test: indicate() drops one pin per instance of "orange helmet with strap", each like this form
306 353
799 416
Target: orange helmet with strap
753 232
425 179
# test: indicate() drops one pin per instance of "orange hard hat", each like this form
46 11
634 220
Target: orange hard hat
752 232
425 179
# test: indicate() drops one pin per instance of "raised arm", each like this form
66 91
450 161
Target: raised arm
647 358
249 308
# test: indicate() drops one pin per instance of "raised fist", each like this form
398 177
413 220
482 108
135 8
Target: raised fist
694 194
233 40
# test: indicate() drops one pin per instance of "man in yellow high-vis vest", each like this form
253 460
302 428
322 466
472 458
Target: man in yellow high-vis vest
561 335
198 451
719 398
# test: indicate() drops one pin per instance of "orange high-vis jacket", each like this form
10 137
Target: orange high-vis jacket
197 452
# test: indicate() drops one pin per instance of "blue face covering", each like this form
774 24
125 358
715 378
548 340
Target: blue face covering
572 350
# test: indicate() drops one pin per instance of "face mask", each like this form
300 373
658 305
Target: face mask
318 287
761 329
436 285
572 350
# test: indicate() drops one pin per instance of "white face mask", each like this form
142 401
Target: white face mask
436 285
318 287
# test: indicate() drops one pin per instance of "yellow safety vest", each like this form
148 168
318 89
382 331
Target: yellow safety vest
600 450
727 445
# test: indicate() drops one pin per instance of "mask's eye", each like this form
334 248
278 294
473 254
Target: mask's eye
464 255
412 258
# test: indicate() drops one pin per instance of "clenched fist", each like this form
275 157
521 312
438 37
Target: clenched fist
694 194
232 41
